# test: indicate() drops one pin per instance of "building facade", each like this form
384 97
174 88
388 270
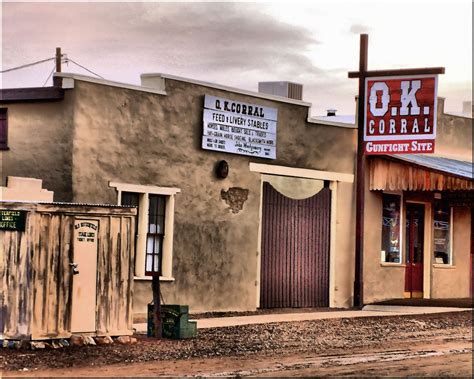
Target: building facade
106 142
234 220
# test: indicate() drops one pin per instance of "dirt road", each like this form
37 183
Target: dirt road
428 345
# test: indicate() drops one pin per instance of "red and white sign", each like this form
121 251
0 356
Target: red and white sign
400 114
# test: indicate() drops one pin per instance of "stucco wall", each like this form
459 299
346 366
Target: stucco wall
454 281
39 141
381 281
344 246
454 135
141 138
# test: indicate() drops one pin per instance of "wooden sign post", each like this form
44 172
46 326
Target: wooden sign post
398 116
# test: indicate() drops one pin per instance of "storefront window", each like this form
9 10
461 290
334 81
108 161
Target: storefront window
391 229
442 234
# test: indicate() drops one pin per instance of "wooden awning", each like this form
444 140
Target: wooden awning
391 174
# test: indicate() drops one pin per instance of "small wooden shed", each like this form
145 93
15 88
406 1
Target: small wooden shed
65 269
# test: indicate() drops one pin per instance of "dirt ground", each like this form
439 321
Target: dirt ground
422 345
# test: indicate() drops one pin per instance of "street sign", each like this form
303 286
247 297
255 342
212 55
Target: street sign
239 128
400 114
12 220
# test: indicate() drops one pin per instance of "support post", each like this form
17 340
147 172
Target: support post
58 59
157 322
360 182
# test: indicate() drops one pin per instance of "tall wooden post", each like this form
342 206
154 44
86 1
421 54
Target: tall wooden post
58 59
360 185
157 321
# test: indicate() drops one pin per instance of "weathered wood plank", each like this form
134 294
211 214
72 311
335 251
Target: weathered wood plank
65 277
104 275
53 277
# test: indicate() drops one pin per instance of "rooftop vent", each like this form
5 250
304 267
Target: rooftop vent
331 112
284 89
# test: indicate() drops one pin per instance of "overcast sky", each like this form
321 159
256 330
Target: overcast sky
240 44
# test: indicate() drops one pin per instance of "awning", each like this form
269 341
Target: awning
420 173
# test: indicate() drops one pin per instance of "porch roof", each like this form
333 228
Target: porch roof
410 172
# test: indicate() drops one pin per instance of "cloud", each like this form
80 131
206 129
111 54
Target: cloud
359 29
157 36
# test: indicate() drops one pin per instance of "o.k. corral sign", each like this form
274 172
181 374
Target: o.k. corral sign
400 114
239 128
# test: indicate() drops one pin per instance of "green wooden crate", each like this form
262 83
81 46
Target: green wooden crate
175 320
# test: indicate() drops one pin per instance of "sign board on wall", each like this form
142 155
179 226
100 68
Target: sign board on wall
239 128
12 220
400 114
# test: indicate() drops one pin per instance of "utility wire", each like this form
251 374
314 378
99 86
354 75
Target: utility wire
51 73
77 64
27 65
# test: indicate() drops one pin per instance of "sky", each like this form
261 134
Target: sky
239 44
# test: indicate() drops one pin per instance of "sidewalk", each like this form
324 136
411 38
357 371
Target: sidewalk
367 311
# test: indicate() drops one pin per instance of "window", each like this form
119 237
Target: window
154 226
391 236
3 129
442 233
156 232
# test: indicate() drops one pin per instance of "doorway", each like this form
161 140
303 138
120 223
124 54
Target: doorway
414 242
295 250
84 276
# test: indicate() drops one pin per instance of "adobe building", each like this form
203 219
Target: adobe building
276 231
418 218
244 201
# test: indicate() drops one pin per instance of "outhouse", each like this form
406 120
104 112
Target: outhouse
65 269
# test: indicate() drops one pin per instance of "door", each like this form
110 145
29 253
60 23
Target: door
414 237
84 279
295 250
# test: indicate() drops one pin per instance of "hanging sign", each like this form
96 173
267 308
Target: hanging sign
12 220
400 114
239 128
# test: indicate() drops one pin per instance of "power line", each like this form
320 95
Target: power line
51 73
27 65
77 64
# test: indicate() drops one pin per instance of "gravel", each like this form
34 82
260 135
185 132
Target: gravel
321 336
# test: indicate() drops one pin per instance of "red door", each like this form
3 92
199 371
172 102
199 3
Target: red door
472 252
415 217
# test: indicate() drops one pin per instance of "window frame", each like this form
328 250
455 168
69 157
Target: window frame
401 236
144 192
450 236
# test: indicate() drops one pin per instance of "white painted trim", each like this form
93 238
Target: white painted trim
142 224
300 172
332 245
259 244
149 278
110 83
229 89
435 265
313 120
127 187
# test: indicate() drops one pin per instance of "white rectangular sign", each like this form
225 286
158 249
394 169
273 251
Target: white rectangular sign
239 128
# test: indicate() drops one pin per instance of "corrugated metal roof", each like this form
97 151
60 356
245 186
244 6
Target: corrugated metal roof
449 166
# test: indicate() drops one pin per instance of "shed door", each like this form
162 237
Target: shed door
84 282
295 250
